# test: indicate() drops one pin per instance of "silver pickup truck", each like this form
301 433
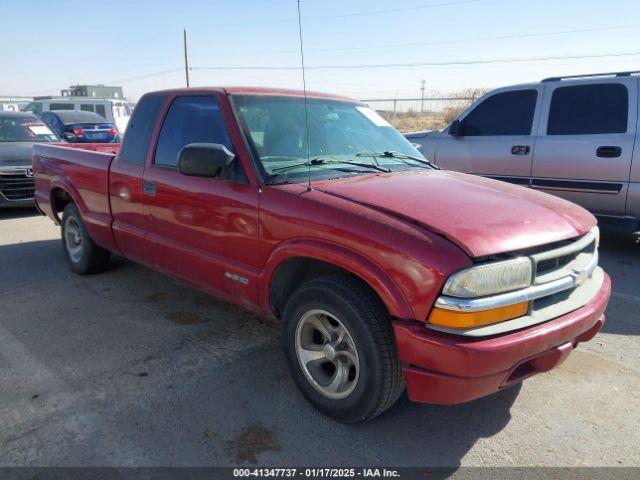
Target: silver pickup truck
574 137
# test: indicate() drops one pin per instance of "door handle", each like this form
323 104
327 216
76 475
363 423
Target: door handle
608 152
520 150
149 188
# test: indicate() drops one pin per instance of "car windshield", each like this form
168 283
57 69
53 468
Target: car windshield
338 132
25 129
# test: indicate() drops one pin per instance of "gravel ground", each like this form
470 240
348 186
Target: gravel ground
130 368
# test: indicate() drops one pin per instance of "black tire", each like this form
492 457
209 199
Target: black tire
91 257
380 381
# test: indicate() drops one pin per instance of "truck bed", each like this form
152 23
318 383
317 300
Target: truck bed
81 171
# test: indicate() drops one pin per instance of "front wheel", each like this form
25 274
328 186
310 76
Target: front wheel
340 349
81 252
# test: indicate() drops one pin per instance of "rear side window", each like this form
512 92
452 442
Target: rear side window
101 111
135 144
190 120
35 107
86 108
61 106
589 109
507 113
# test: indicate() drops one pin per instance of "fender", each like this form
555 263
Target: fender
347 259
98 226
64 184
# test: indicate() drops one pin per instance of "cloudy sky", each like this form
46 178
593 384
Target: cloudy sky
364 49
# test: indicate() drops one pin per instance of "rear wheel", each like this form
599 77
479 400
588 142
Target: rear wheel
340 349
81 252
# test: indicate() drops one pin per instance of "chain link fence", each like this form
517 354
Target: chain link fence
428 113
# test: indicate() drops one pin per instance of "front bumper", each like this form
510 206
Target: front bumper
447 369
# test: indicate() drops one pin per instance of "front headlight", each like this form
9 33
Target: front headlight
490 278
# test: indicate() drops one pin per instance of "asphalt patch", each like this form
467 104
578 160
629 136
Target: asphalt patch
251 442
184 318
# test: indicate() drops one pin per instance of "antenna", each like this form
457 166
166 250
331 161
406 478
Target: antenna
304 90
186 59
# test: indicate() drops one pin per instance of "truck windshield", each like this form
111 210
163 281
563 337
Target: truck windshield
338 131
25 129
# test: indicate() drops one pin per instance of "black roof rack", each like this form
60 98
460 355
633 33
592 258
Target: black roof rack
591 75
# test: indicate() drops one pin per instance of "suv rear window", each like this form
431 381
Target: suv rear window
61 106
506 113
101 111
589 109
135 144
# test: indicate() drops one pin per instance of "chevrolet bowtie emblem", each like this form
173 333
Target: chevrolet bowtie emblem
579 275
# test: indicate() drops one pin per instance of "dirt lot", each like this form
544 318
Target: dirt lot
131 368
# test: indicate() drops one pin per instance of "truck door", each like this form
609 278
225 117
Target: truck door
203 230
125 179
497 136
585 144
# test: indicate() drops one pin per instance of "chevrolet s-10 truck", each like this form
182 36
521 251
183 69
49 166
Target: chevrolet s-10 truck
385 272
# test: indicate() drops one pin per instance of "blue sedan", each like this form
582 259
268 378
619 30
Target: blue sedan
79 126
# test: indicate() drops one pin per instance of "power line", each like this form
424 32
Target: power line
418 64
394 10
438 42
147 75
167 33
479 39
344 15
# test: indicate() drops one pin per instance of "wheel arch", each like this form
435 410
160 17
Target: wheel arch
60 195
298 261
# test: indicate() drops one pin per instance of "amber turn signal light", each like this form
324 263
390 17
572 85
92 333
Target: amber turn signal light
459 320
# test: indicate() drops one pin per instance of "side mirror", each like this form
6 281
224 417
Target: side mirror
69 137
204 159
456 129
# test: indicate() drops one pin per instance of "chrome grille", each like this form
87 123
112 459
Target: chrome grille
565 258
17 185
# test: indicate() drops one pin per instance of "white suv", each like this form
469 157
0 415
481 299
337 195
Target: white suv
569 136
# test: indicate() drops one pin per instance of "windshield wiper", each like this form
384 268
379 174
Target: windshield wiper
325 161
398 155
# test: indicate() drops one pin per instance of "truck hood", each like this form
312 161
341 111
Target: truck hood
481 216
422 134
15 154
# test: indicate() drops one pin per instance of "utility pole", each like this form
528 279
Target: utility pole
186 59
395 108
422 97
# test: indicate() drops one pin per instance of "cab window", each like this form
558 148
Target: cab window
194 119
135 144
506 113
190 120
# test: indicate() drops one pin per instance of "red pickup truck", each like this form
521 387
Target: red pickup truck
384 271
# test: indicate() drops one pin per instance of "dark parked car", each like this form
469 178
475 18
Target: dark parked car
18 132
80 126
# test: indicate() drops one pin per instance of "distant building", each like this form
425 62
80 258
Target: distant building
93 91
